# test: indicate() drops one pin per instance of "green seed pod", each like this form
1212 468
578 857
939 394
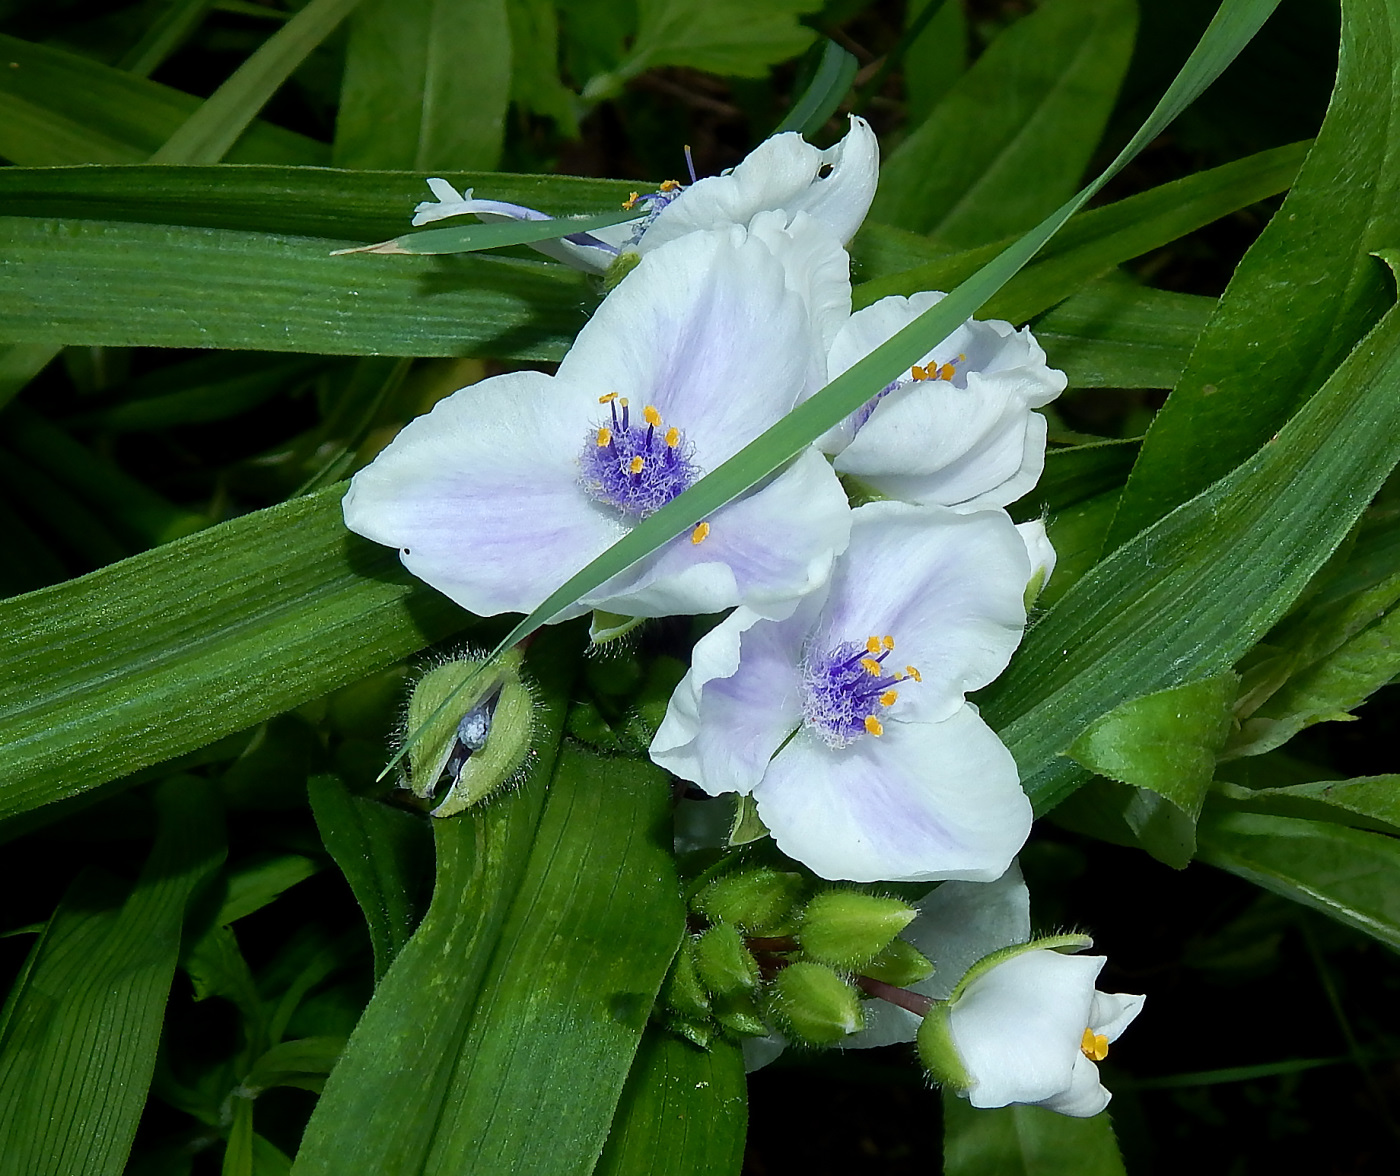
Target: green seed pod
724 964
759 900
682 991
848 929
814 1005
738 1016
479 741
900 964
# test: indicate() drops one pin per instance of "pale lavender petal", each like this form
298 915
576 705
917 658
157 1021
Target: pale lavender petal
1112 1012
962 922
737 703
947 587
481 496
922 802
764 550
1018 1026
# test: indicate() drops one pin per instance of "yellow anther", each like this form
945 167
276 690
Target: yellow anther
651 416
947 372
887 642
608 399
635 465
872 645
701 533
670 185
1094 1046
911 672
888 697
920 373
871 666
961 357
673 437
622 402
604 437
631 202
873 725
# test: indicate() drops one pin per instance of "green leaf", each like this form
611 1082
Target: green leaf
521 999
171 649
1366 802
78 1036
683 1111
936 58
382 852
111 284
1118 335
1011 139
1075 474
254 884
426 85
59 108
290 1063
212 130
1347 874
535 84
836 70
1305 292
472 236
1188 597
1025 1141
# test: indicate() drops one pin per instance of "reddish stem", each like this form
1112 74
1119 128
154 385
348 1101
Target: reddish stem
913 1001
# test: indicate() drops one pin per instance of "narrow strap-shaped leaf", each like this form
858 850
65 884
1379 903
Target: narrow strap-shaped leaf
468 237
835 72
1234 24
80 1036
683 1111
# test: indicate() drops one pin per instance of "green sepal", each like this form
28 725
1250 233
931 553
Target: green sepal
609 626
683 992
1034 586
900 964
699 1033
848 929
739 1017
748 825
937 1052
759 900
1065 943
814 1005
623 264
507 740
723 962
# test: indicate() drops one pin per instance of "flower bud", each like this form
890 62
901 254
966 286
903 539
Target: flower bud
900 964
814 1005
682 991
847 929
738 1016
724 964
478 742
758 900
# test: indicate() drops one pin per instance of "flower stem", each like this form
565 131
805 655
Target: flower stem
915 1002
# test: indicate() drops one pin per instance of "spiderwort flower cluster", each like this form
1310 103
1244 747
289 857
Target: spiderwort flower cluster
835 692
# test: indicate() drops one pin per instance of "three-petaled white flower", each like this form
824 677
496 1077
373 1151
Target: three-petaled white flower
511 485
783 173
847 721
959 428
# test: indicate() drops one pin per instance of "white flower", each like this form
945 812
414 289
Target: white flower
847 721
511 485
784 173
958 430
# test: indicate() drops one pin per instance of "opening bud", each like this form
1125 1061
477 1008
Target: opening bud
477 743
814 1005
759 900
848 929
725 965
900 964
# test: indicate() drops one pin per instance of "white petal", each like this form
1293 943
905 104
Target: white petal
818 270
1112 1012
885 1024
783 172
1084 1097
948 587
1039 548
764 550
1018 1028
482 498
922 802
737 703
709 331
962 922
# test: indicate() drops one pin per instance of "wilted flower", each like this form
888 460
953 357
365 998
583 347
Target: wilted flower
847 721
958 429
783 173
511 485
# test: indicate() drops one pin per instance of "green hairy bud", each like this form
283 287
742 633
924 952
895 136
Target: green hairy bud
478 742
814 1005
937 1052
900 964
738 1015
758 900
848 929
683 992
725 965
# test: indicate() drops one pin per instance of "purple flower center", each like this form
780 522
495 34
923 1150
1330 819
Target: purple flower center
845 689
637 467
